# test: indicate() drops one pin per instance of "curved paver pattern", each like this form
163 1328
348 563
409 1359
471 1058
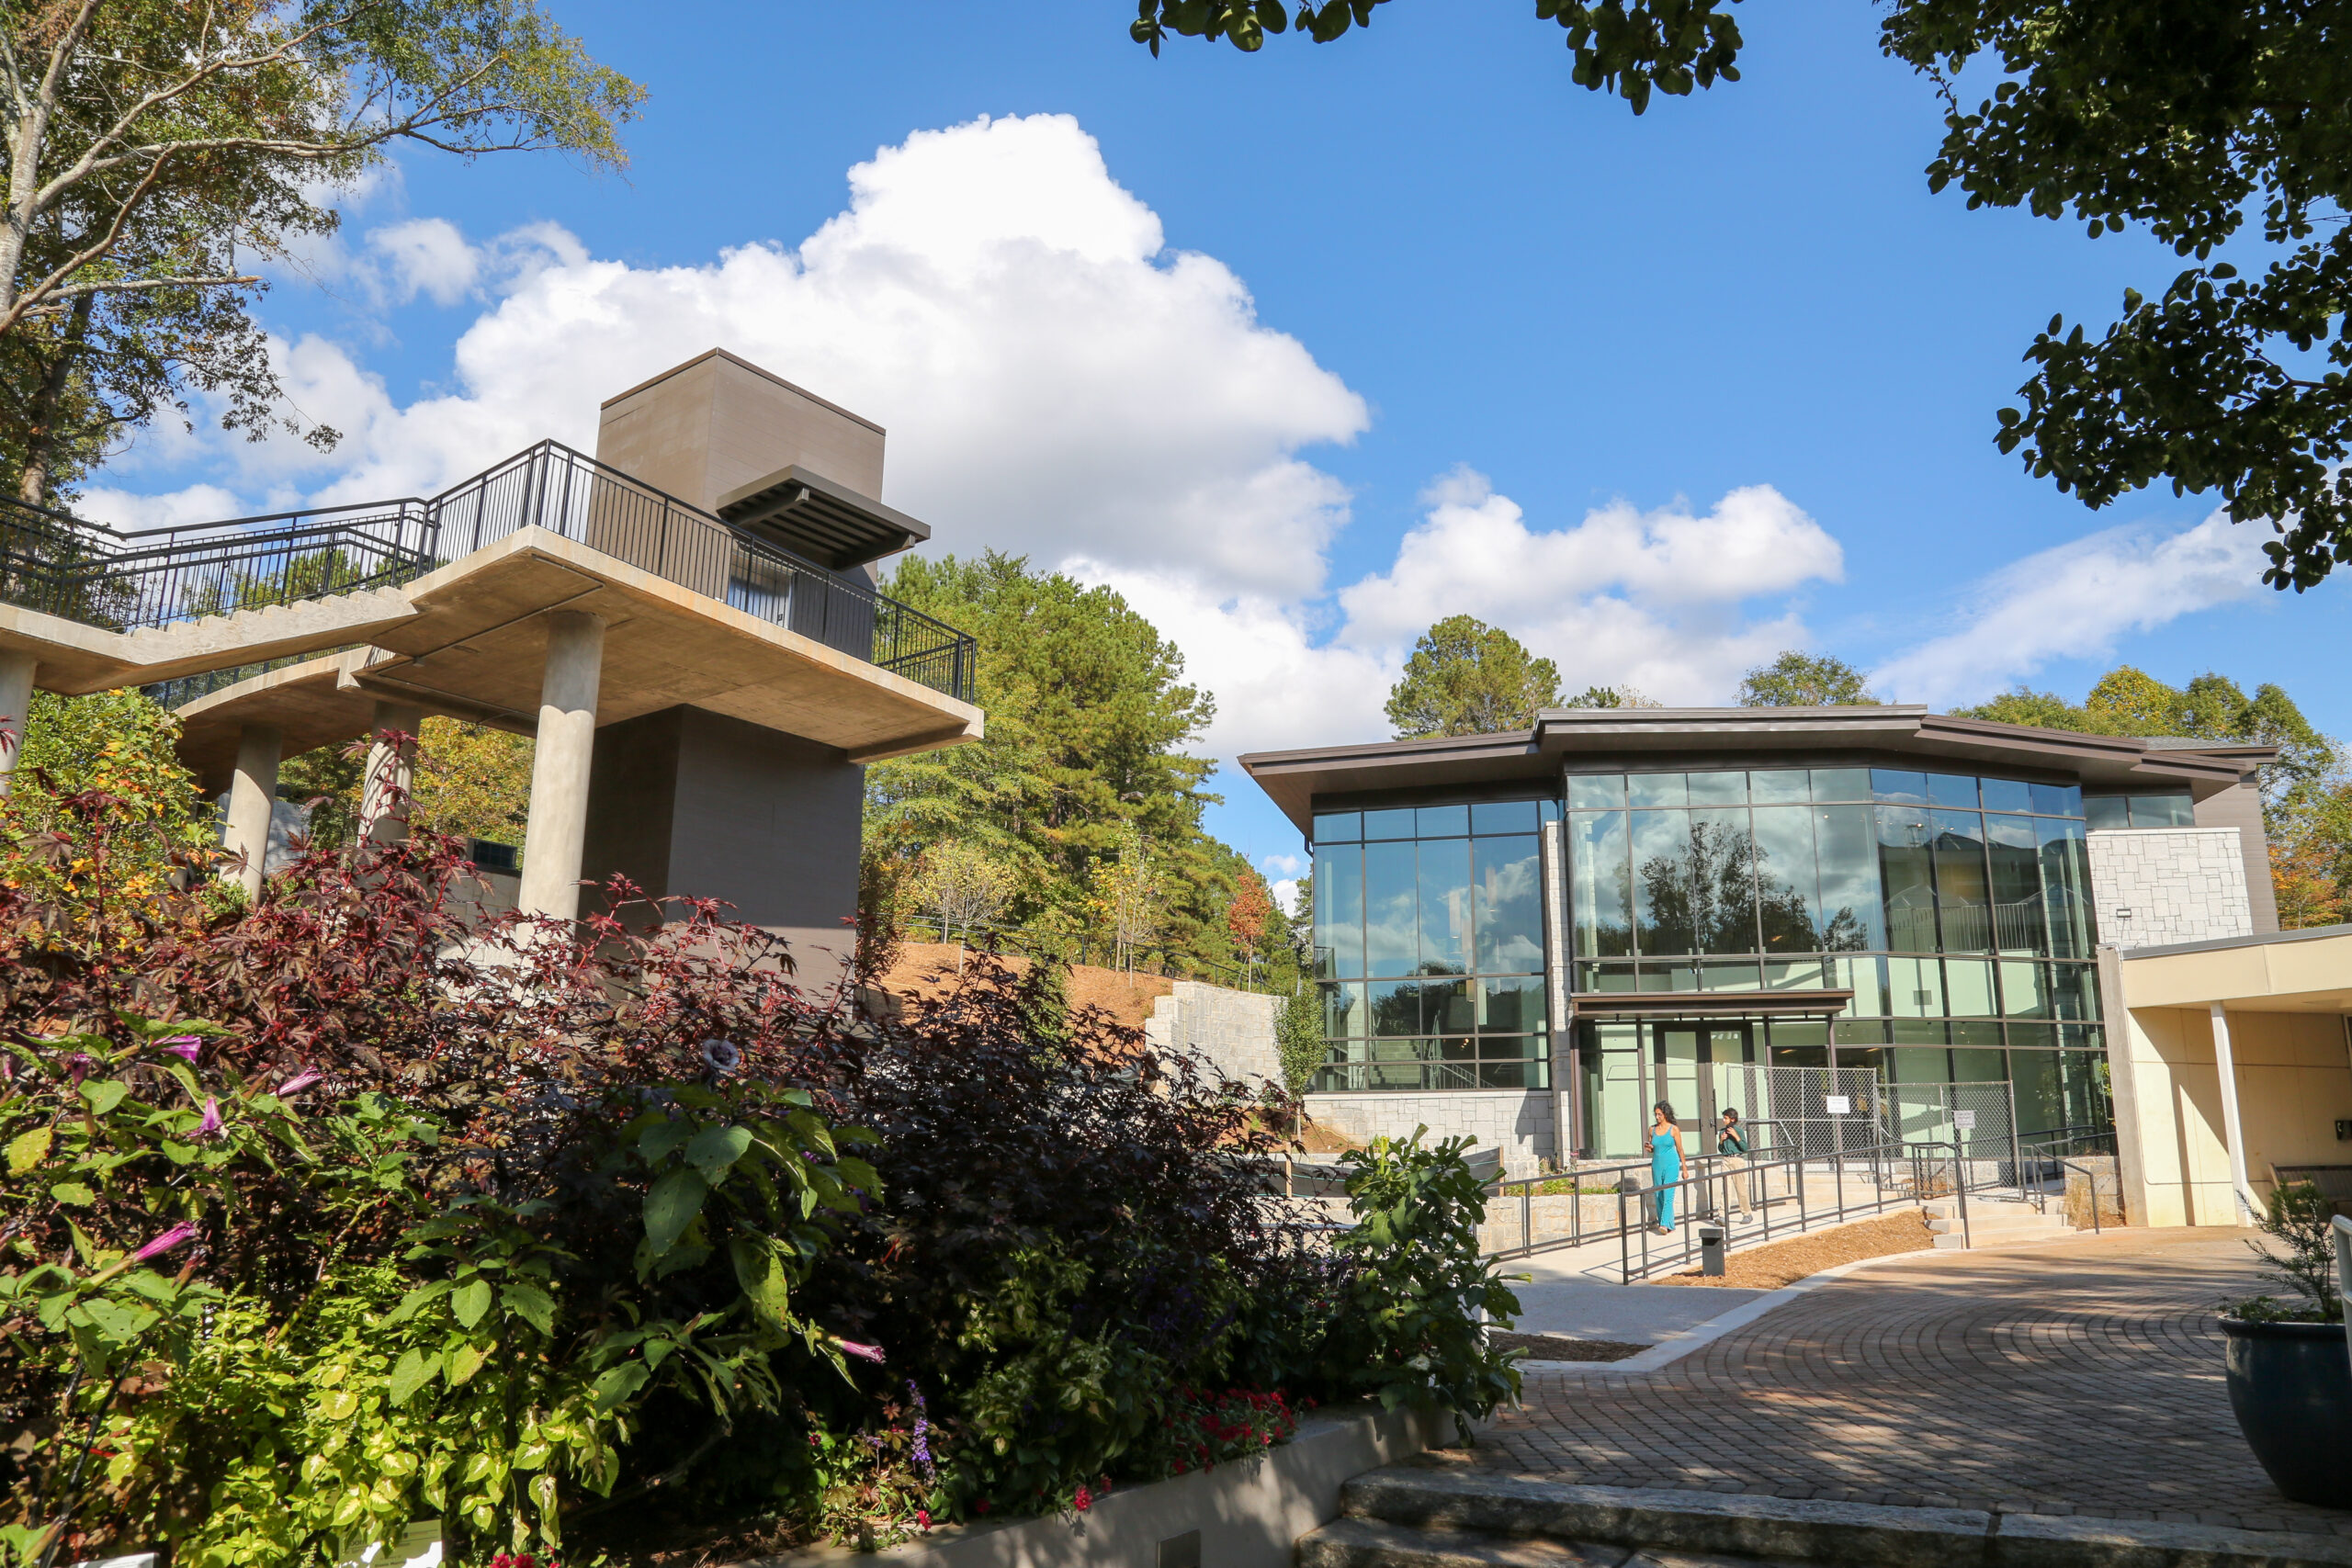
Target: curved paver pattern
2084 1378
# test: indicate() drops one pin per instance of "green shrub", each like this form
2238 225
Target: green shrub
2300 1218
1298 1036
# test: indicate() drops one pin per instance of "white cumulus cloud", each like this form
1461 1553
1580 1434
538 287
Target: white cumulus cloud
2074 602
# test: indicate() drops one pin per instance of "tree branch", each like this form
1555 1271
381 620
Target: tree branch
55 304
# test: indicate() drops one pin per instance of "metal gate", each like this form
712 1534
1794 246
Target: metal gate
1808 1113
1978 1119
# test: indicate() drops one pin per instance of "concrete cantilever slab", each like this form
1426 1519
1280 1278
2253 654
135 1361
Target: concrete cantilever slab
74 658
474 644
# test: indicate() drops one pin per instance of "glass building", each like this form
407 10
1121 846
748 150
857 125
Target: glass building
1602 908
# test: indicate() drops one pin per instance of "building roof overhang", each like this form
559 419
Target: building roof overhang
1564 738
828 522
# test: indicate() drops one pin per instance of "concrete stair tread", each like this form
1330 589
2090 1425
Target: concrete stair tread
1376 1543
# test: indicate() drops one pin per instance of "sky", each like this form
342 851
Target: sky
1302 352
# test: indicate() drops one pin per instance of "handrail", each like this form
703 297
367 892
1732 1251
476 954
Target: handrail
125 581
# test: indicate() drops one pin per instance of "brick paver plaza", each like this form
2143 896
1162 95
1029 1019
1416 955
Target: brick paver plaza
2083 1378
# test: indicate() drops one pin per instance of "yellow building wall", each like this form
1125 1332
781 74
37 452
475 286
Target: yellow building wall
2294 1078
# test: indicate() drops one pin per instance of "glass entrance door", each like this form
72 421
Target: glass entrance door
1698 1071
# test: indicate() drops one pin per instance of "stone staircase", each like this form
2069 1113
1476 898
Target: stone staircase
1994 1222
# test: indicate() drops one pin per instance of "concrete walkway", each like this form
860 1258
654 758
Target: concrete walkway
2082 1377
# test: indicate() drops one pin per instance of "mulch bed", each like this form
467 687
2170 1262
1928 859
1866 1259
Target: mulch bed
1780 1263
1560 1347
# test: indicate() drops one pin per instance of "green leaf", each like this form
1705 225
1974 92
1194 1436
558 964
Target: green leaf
26 1150
469 1301
73 1192
418 1298
531 1304
714 1149
465 1361
619 1384
662 1140
670 1206
759 1271
413 1372
103 1095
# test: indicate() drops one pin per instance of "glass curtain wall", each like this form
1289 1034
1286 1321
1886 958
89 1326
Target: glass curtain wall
1429 946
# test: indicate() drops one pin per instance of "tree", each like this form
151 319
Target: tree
2191 121
1612 698
964 887
1468 677
1127 895
471 782
1798 680
1298 1038
156 149
1248 915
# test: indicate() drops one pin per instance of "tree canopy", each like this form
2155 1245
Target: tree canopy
2203 125
1468 678
1798 680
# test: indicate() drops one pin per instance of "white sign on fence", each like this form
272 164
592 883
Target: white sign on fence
1964 1119
1840 1105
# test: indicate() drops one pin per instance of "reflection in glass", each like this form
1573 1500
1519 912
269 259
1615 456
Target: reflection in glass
1798 975
2073 989
1661 885
1717 788
1779 786
1845 837
2057 800
1788 897
1339 910
1391 941
1509 883
1898 788
1441 821
1962 899
2066 887
2162 811
2006 794
1338 826
1656 789
1600 870
1396 1007
1597 792
1604 977
1722 880
2103 812
1718 976
1503 816
1397 824
2018 925
1866 977
1903 863
1444 906
1841 783
1445 1007
1343 1011
1514 1005
1953 789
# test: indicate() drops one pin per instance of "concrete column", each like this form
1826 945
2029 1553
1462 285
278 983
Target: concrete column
391 773
2233 1134
252 796
2125 1044
15 702
559 821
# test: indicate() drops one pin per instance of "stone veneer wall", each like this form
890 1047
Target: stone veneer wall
2180 884
1233 1029
1517 1120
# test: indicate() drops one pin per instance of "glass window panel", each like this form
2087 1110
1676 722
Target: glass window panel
1799 1033
1915 987
1444 884
1917 1032
1513 1075
2082 1086
1722 880
2025 990
1898 788
1683 976
1344 1014
1953 789
1841 783
1604 977
1445 1006
1510 1048
1920 1067
1515 1006
1597 792
1339 911
1779 786
1656 789
1503 816
2107 811
2162 811
1852 917
1788 888
1717 788
1391 940
1963 901
2057 800
1509 887
1865 977
2073 989
1458 1048
1971 1063
2018 926
1441 821
1397 824
2034 1088
2066 887
1861 1031
2034 1035
1661 843
2079 1036
2006 794
1968 987
1719 976
1601 874
1798 975
1396 1007
1338 826
1902 864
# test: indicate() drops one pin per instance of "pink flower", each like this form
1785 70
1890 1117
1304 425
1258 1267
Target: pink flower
179 1235
186 1047
211 1122
1084 1500
299 1082
863 1352
922 1517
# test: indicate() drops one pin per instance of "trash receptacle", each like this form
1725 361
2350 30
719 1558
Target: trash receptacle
1711 1250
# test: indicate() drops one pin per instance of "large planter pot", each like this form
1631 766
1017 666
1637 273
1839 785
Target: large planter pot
2290 1384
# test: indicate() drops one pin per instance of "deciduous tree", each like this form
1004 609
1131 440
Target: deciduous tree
1800 680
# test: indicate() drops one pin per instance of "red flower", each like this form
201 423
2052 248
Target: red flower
922 1517
979 1504
1085 1499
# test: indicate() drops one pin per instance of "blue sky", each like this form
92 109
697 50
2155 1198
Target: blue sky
1661 395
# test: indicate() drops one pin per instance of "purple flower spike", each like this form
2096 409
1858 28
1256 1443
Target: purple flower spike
179 1235
863 1352
80 1068
186 1047
211 1122
299 1082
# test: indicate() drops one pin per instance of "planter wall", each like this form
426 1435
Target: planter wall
1247 1513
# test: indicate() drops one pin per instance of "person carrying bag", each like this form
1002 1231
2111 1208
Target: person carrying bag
1731 1144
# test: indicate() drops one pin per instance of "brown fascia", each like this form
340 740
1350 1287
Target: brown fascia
1887 734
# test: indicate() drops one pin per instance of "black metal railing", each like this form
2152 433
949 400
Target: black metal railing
84 571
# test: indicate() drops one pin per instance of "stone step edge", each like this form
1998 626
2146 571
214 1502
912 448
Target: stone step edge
1375 1543
1852 1535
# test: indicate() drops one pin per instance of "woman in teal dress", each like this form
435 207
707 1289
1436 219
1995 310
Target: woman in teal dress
1665 1163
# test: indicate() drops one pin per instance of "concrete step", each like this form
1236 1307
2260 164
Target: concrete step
1989 1224
1375 1543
